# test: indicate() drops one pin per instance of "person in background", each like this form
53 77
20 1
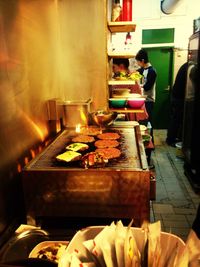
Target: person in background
174 131
121 66
149 84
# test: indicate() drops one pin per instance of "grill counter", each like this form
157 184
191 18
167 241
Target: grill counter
119 190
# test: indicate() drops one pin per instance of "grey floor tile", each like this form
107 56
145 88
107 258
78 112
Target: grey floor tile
175 194
186 204
185 211
172 184
163 208
176 203
176 224
187 185
157 217
173 217
161 194
196 200
165 200
190 219
178 231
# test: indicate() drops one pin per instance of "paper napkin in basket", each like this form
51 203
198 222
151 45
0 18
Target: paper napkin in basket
119 246
120 235
193 247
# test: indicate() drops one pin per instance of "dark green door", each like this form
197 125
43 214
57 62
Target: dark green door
161 59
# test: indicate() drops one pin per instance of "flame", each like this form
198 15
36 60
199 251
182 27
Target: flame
47 142
78 128
32 153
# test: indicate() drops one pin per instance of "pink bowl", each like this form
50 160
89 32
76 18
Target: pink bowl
136 103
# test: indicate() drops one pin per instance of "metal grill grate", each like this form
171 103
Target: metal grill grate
128 159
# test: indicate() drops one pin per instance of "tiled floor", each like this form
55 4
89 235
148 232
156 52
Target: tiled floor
176 203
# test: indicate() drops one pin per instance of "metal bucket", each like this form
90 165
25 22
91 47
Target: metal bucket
76 112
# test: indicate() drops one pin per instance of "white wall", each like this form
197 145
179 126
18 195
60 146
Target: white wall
147 14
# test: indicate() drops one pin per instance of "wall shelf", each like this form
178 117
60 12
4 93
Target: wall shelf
121 54
117 27
126 110
121 26
121 82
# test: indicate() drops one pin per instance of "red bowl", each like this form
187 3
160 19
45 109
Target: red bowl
136 103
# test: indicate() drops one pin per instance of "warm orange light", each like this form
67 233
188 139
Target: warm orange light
26 160
40 132
36 128
19 168
32 153
78 128
83 116
47 142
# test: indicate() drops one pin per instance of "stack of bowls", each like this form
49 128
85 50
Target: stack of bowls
120 92
117 102
136 103
119 97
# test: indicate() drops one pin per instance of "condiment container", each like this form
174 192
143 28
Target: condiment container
127 10
116 11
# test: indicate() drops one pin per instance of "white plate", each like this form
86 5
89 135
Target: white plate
45 244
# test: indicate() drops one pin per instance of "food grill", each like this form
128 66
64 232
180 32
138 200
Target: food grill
118 190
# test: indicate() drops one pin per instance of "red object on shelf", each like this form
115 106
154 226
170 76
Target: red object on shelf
127 10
